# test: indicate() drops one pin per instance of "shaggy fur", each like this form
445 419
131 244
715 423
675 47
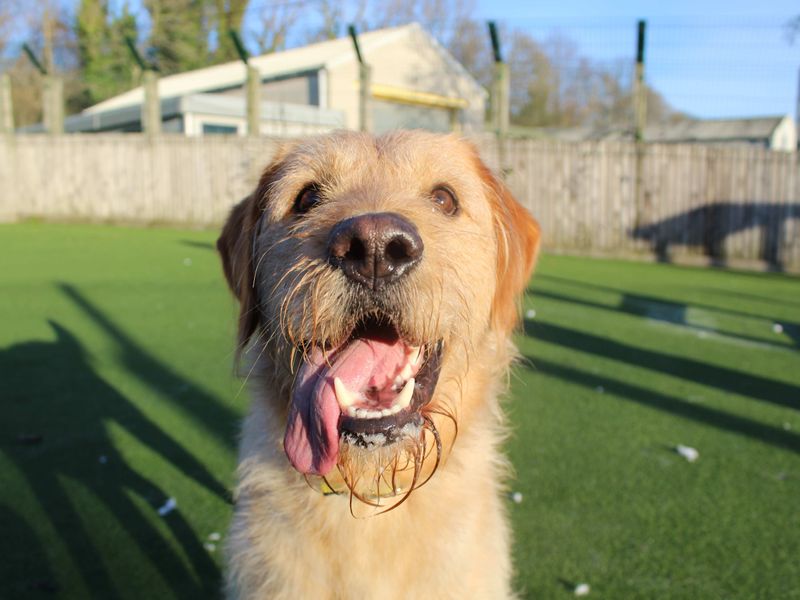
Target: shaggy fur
380 536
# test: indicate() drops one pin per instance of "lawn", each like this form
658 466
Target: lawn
117 393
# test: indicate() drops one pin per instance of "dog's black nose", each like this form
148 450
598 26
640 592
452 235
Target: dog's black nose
375 248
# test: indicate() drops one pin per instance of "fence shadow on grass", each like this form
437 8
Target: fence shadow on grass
663 402
55 429
707 227
207 410
25 566
660 309
722 378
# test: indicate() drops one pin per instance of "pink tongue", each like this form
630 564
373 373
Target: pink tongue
312 431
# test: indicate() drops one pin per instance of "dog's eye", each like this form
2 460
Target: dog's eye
445 200
307 199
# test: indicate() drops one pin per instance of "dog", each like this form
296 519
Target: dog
378 280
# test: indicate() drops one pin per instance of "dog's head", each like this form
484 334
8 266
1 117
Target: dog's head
378 280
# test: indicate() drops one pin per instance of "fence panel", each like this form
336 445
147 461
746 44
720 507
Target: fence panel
726 202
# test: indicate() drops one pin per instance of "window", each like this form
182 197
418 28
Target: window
213 128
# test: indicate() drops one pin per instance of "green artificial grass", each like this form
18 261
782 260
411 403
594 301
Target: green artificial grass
117 393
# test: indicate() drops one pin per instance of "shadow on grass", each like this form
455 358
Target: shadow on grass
729 380
55 429
664 310
667 312
208 411
645 301
202 245
25 562
663 402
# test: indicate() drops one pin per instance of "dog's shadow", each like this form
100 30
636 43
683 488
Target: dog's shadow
55 430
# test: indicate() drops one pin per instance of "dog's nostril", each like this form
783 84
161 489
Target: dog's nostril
357 250
398 250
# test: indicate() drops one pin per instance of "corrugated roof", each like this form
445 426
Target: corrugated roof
277 64
756 128
753 129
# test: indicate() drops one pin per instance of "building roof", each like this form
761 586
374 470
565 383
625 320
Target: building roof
753 128
207 104
329 53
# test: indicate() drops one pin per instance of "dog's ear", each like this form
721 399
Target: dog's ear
517 234
235 246
237 242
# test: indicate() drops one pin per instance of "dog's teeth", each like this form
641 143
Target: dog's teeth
361 413
404 397
407 372
351 411
386 412
343 395
415 356
395 409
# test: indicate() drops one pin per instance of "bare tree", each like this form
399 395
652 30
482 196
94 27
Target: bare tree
472 49
275 21
439 17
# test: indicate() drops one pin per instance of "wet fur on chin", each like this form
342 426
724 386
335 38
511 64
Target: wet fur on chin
450 537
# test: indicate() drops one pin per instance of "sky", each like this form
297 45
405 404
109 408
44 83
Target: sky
709 58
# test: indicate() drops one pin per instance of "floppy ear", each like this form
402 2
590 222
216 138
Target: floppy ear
235 246
517 234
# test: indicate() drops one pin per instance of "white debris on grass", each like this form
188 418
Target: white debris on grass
777 328
103 459
600 389
170 505
214 537
209 546
187 262
582 589
687 452
517 497
530 313
787 426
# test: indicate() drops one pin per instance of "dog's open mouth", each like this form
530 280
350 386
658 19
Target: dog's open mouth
367 391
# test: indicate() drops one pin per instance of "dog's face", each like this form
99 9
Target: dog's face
374 276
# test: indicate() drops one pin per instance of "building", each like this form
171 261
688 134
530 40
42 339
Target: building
416 83
774 133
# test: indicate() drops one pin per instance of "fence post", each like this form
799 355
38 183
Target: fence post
53 100
6 105
252 86
364 84
640 121
640 89
151 107
52 95
499 97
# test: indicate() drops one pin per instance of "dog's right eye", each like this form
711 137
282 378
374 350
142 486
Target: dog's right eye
306 200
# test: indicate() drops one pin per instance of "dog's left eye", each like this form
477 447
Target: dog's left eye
307 199
445 200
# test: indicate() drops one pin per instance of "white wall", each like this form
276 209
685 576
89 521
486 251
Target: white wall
411 62
785 136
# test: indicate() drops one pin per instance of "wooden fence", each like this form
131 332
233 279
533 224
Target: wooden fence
595 197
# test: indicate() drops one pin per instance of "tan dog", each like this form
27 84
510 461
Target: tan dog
378 280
